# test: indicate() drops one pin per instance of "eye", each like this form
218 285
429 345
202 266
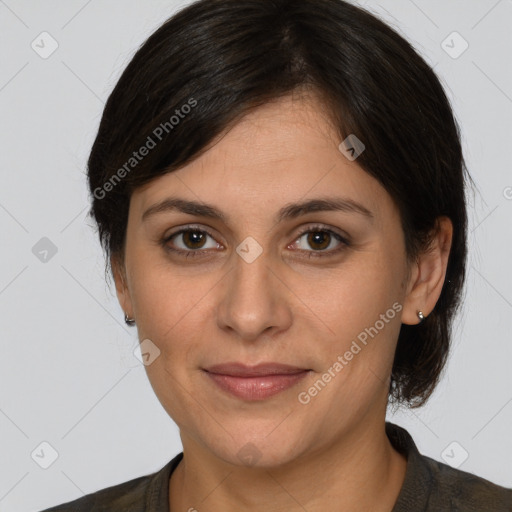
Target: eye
320 239
193 242
190 241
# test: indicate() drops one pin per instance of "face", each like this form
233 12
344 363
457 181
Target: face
254 279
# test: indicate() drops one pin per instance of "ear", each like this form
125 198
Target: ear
123 294
428 273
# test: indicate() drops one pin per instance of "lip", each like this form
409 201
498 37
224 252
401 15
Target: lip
258 382
242 370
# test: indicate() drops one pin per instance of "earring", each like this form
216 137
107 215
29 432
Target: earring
421 316
129 321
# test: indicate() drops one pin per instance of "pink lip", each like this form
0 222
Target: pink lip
255 382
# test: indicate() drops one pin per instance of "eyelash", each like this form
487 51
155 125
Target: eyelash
310 229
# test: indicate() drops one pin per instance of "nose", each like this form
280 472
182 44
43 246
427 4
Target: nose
254 300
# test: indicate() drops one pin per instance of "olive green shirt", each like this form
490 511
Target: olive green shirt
429 486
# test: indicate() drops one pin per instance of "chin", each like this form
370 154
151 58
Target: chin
259 451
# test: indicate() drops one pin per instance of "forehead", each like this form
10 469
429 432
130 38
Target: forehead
287 128
278 153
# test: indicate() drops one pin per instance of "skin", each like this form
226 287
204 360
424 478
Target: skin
282 307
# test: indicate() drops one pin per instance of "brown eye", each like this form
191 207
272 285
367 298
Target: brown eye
194 239
318 239
189 242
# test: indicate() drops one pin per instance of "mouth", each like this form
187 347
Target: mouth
254 383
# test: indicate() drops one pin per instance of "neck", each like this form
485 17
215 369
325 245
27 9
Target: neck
361 471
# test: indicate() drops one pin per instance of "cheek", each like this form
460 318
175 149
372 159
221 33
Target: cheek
362 306
161 293
169 308
173 308
166 306
353 297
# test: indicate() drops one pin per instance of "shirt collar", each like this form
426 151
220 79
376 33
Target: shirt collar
415 491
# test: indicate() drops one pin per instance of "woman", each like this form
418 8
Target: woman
279 188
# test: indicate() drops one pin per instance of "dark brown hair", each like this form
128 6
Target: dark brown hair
213 61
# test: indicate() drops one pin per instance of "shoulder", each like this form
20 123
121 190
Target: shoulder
127 496
433 486
141 494
466 491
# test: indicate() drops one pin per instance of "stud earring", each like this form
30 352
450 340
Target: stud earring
129 321
421 316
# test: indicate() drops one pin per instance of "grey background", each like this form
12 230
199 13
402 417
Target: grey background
68 375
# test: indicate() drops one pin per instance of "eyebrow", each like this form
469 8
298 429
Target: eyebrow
290 211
